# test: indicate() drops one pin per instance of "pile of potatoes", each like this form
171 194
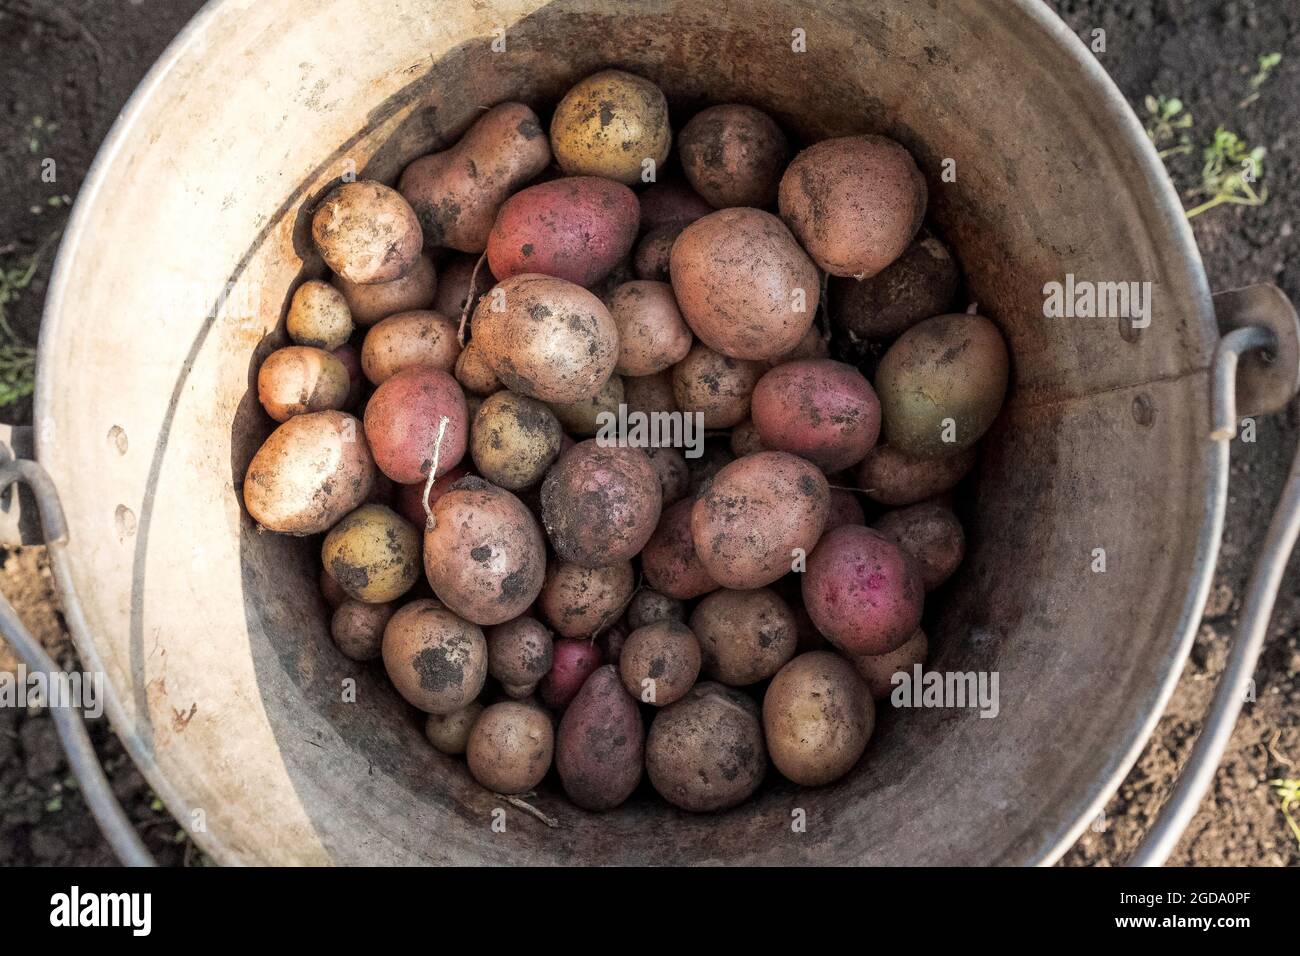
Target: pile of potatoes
552 602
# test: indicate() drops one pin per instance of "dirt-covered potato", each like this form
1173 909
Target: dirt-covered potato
600 744
878 670
612 124
474 373
650 607
651 332
358 628
733 155
718 387
921 283
757 517
745 440
600 505
406 339
513 440
449 733
366 232
845 509
576 659
941 385
309 473
743 285
403 424
670 561
456 193
436 660
650 393
705 752
855 203
299 379
483 553
583 418
894 478
819 409
862 591
457 284
673 472
817 717
318 316
546 338
670 201
520 652
660 662
379 300
653 255
932 535
745 636
578 601
373 553
510 747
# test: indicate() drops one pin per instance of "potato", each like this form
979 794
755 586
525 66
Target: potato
652 335
546 338
318 316
454 283
878 670
406 339
855 203
670 202
650 393
919 284
711 384
817 717
583 418
474 373
813 345
331 590
862 591
931 535
510 747
745 636
659 663
358 628
745 440
653 255
670 561
514 440
300 379
600 505
436 660
309 473
673 473
610 125
610 642
520 652
456 193
575 660
366 232
483 553
350 356
819 409
449 733
600 745
941 385
733 155
743 285
893 478
650 607
845 509
578 601
757 516
407 503
370 303
705 752
403 422
577 229
373 553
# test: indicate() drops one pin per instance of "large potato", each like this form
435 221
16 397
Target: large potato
878 670
659 662
920 283
854 202
403 420
894 478
406 339
374 553
300 379
745 636
436 660
932 535
733 155
309 473
652 334
579 601
612 124
318 316
743 285
358 628
510 747
513 440
817 718
600 505
600 744
366 232
819 409
370 303
669 560
715 386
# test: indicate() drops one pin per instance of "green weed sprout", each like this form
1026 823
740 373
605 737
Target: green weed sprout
1168 123
1267 64
1288 791
17 360
1231 168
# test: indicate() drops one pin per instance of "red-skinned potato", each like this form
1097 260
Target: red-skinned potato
510 747
613 124
817 718
374 553
733 155
669 560
520 652
659 662
757 516
855 203
350 356
406 339
600 505
671 202
457 284
449 733
932 535
379 300
600 744
402 423
514 440
318 316
456 193
579 601
358 628
653 256
878 670
576 229
651 332
407 502
576 659
745 636
894 478
862 591
743 285
300 379
818 409
436 660
920 283
717 387
845 509
366 232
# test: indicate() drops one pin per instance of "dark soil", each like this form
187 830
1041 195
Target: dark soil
73 63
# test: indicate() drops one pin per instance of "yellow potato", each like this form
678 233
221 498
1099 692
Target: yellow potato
610 125
374 554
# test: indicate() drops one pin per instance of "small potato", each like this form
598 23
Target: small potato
436 660
651 332
817 717
745 440
653 256
670 561
483 553
673 473
456 193
403 420
367 233
660 662
576 659
855 203
510 747
715 456
705 752
878 670
578 601
514 440
300 379
331 590
547 338
474 373
406 339
358 628
941 385
932 535
520 652
813 345
745 636
611 643
671 202
600 744
893 478
350 356
651 607
609 124
318 316
407 503
715 386
370 303
757 516
845 509
584 418
454 285
309 473
862 591
819 409
600 505
449 733
374 553
743 284
650 393
733 155
919 284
